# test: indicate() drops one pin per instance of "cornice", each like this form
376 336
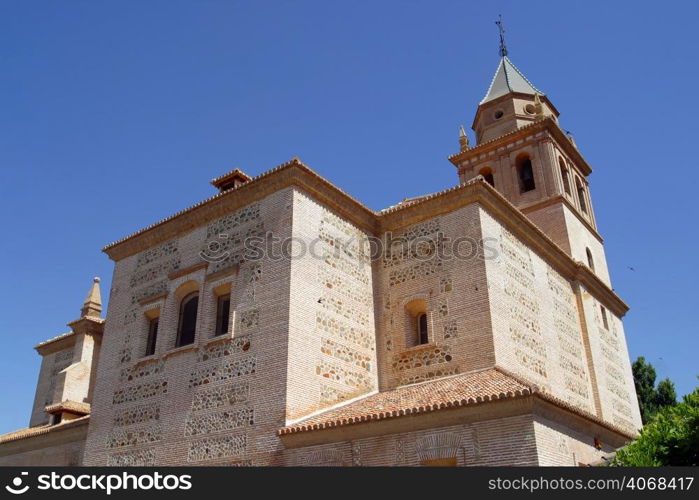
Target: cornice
76 407
88 325
85 325
545 124
292 173
56 343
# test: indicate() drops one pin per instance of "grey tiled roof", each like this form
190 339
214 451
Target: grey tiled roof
508 79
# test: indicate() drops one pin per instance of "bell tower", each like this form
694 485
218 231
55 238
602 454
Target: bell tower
522 152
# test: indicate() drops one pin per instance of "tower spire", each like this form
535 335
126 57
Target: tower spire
463 139
93 302
501 29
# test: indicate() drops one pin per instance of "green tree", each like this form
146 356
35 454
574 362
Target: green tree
671 438
644 380
650 398
665 394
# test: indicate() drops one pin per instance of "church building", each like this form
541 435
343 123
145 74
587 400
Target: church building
282 322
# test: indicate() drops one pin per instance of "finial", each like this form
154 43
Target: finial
538 107
463 138
93 302
501 29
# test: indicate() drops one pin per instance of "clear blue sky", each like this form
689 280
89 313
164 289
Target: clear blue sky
116 114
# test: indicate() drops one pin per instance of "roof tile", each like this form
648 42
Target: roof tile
460 390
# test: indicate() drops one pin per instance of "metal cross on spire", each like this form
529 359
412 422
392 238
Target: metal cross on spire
503 47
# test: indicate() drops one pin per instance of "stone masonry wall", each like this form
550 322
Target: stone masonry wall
536 323
538 333
332 346
221 399
68 454
558 445
504 441
317 330
456 294
610 357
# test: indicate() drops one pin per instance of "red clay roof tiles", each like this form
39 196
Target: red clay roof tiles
459 390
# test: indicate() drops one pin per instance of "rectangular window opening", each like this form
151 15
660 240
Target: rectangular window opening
604 318
223 310
152 336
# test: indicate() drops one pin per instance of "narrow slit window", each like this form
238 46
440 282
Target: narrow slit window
422 333
223 310
605 321
152 336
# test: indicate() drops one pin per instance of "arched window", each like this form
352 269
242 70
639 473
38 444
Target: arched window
187 325
525 173
581 196
590 260
417 323
487 174
564 175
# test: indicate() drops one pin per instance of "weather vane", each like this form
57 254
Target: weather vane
503 47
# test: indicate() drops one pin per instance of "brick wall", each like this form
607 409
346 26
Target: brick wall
535 320
332 341
504 441
220 399
454 289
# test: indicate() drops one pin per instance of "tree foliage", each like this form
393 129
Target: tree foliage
665 393
650 398
671 438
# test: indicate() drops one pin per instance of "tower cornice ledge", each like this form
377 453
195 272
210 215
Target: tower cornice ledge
545 124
